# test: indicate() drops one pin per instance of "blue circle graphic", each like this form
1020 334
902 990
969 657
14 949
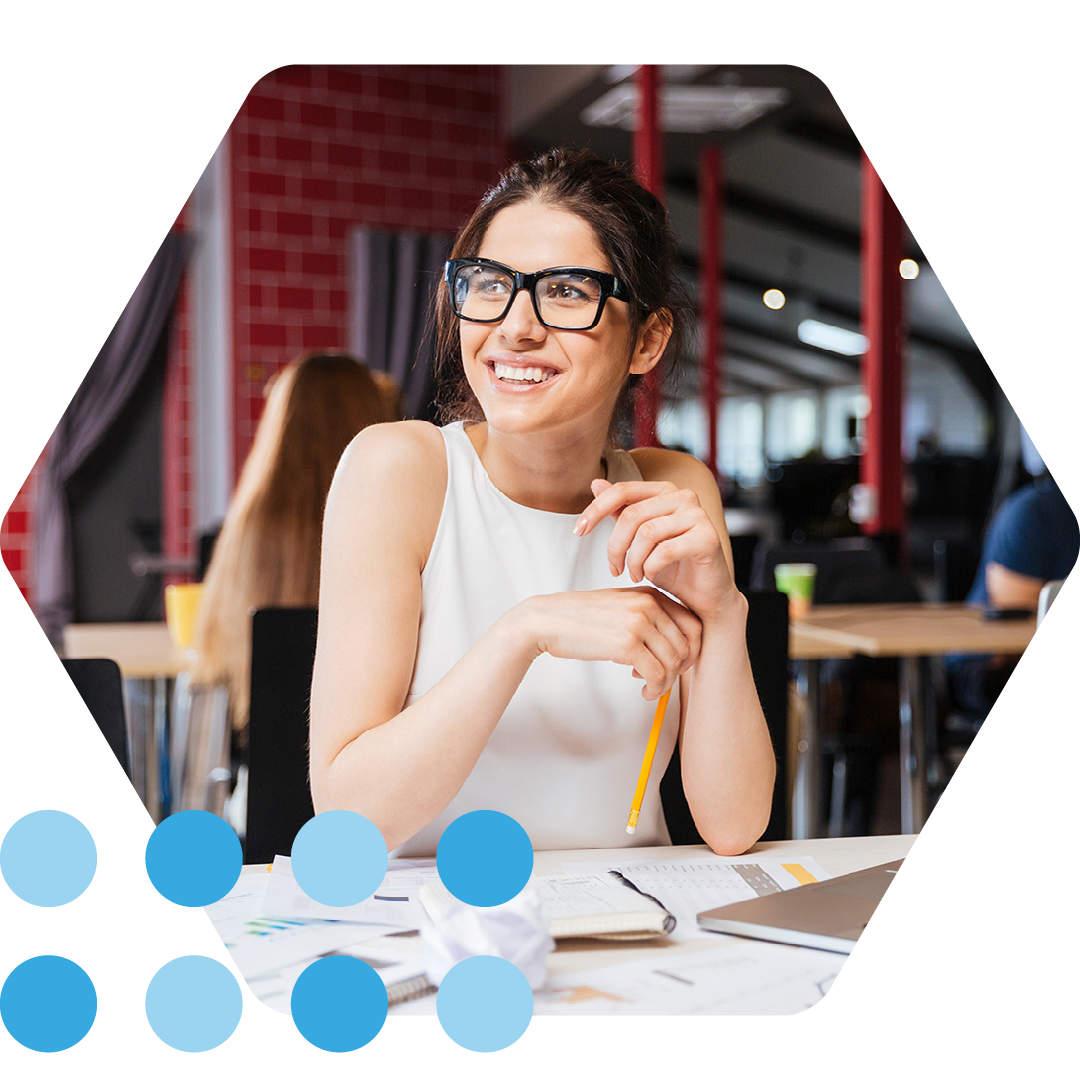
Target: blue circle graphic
484 1003
339 858
193 1003
193 858
484 858
48 858
339 1003
48 1003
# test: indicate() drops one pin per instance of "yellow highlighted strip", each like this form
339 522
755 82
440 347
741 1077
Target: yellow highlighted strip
799 873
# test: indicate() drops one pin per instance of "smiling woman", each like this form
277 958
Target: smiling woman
474 576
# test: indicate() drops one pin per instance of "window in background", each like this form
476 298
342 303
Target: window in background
742 440
791 425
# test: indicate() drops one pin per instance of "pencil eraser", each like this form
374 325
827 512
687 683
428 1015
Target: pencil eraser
631 829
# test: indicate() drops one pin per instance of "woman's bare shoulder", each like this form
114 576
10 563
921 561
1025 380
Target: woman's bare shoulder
397 445
683 470
394 475
405 454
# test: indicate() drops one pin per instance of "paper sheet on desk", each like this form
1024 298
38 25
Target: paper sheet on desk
743 978
291 929
395 903
687 886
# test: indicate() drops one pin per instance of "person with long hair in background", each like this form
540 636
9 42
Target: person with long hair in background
267 552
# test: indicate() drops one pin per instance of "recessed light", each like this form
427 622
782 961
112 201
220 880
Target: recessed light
909 269
774 298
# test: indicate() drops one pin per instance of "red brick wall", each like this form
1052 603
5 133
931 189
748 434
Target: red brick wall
317 151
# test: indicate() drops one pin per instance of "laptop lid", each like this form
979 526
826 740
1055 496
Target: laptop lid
922 906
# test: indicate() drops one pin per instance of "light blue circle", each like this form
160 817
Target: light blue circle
484 1003
484 858
339 1003
339 858
193 858
48 1003
193 1003
48 858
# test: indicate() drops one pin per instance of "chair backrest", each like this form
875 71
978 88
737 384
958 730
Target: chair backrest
743 546
767 645
278 797
95 767
1047 595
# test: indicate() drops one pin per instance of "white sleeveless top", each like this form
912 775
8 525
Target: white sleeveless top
564 759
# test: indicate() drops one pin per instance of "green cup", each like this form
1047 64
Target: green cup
797 581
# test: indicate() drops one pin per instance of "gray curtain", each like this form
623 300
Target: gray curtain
394 277
110 382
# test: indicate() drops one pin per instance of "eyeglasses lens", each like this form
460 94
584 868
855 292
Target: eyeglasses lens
566 301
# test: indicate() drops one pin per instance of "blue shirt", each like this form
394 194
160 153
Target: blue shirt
1033 533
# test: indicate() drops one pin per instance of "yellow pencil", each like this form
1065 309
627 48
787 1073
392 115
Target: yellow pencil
646 764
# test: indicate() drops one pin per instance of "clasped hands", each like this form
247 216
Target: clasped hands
663 535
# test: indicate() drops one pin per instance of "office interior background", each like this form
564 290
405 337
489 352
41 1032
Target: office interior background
324 164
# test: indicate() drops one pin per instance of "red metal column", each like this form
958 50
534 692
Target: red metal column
710 277
649 163
881 466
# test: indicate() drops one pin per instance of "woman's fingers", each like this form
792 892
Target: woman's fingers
652 634
611 500
670 640
646 515
650 535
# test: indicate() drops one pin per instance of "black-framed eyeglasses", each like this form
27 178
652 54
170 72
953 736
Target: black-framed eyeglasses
563 297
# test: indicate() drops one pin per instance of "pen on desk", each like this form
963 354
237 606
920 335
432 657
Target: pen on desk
646 764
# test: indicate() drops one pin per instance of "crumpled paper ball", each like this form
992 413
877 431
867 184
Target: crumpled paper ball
516 931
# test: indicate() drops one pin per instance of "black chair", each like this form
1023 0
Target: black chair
95 769
767 644
278 796
743 546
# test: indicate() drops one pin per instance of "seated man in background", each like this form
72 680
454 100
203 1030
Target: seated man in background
1032 539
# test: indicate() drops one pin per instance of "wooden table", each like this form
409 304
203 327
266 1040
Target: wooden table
149 662
144 650
913 633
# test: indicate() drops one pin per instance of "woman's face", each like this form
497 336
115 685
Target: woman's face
581 372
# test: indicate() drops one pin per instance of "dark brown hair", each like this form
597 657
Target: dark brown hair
632 228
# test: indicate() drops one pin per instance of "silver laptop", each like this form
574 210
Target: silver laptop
922 906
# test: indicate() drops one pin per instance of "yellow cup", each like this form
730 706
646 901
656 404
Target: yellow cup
797 580
181 611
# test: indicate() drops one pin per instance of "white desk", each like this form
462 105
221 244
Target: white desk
841 855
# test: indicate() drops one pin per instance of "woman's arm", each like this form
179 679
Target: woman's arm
399 766
670 530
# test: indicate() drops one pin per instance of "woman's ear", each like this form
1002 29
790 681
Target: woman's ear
652 340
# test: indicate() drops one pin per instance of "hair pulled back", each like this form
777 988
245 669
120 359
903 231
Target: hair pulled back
632 228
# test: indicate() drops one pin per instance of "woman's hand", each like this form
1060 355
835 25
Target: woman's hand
662 534
641 628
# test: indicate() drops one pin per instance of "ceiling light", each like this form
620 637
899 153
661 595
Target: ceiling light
834 338
694 109
909 269
774 298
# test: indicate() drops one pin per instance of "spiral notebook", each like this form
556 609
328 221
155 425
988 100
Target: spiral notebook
605 906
